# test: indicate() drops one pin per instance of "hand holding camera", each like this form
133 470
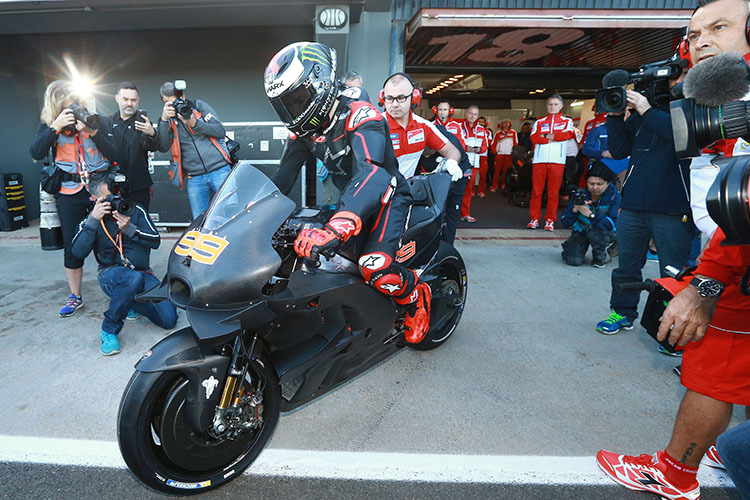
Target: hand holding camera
121 220
101 209
64 120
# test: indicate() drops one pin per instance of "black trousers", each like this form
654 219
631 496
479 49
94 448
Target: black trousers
453 209
72 209
575 248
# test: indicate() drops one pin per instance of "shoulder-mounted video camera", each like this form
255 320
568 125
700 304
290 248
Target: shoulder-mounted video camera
182 106
651 81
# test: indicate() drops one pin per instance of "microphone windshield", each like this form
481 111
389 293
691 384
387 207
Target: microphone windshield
616 78
718 80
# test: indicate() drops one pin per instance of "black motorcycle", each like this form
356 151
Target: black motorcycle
268 331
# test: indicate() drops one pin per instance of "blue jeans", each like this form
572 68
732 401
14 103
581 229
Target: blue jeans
200 188
635 229
734 450
121 285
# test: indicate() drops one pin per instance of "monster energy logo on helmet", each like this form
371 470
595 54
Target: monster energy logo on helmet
314 54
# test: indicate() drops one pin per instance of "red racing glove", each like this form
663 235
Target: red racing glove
311 243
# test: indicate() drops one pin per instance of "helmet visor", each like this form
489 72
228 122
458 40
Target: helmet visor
292 105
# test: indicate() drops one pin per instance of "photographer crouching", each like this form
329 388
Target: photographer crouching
592 214
122 236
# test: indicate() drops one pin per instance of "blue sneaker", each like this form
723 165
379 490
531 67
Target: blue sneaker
652 256
666 352
74 303
132 315
612 325
110 343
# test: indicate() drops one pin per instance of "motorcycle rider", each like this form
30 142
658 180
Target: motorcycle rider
351 137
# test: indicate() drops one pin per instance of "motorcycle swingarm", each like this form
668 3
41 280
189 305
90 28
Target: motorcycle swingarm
204 370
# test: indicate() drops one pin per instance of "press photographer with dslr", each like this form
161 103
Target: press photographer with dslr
65 138
122 235
655 192
193 134
592 215
710 316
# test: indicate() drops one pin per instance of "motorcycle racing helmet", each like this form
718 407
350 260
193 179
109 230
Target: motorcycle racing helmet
300 83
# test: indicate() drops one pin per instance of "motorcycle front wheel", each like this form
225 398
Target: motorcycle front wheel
163 452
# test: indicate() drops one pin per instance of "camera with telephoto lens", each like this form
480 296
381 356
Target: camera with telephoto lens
695 126
181 106
82 114
728 199
578 196
115 183
651 81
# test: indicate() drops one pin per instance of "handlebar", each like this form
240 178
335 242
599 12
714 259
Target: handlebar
647 285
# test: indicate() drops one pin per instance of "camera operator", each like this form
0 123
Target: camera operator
592 213
709 317
192 132
655 202
134 136
70 143
122 243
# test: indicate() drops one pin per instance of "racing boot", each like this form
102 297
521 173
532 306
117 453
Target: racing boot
417 321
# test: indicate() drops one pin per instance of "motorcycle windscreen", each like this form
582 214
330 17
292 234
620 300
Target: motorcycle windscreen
243 188
225 260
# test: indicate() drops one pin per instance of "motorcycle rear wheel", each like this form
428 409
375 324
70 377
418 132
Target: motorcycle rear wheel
151 429
447 305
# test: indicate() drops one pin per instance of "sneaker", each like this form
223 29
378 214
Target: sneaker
417 323
652 256
468 218
644 473
664 351
598 265
493 190
613 323
110 343
678 370
132 315
712 459
74 303
549 225
533 224
482 195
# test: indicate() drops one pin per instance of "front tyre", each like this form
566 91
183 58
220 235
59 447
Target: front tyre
448 300
163 452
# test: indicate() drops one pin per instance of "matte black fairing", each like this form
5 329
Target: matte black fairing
248 260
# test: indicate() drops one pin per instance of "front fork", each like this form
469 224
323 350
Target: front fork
233 395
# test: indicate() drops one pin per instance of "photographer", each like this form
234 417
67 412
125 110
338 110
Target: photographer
134 136
592 213
64 138
122 243
193 134
655 202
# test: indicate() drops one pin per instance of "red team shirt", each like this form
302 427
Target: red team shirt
410 143
475 136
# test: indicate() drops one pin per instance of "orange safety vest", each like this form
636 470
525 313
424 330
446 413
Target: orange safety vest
77 154
176 171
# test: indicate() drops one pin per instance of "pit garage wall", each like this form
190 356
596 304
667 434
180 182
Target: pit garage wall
223 67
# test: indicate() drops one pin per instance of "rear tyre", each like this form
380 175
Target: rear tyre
448 300
163 452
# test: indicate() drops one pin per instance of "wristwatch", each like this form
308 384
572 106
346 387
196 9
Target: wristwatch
707 287
592 216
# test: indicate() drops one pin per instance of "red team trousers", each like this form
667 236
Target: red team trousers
552 174
502 162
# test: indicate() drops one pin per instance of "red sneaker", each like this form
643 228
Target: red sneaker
482 195
549 225
644 473
533 224
417 324
468 218
712 459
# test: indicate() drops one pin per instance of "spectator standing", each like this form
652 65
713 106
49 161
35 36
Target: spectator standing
524 137
196 143
353 79
655 203
502 144
73 151
475 138
549 136
134 136
122 244
593 222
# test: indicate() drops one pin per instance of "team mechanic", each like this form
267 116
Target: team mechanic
475 138
351 137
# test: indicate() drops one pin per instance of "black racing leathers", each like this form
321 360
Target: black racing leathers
359 156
